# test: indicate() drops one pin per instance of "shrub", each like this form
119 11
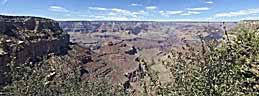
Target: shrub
226 68
48 79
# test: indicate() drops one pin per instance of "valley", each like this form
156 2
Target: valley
135 55
129 48
152 40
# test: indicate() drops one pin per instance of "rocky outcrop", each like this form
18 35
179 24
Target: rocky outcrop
112 62
25 39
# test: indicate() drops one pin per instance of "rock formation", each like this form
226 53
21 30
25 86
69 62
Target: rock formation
134 27
24 39
29 39
112 62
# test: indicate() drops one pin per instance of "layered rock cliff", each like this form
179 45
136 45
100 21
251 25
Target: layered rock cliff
134 27
29 39
24 39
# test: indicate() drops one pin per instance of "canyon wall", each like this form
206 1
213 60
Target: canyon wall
134 27
24 39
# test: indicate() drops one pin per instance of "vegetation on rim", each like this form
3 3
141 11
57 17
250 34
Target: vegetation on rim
228 68
55 76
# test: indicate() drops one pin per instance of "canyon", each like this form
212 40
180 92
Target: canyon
115 50
149 37
152 40
26 39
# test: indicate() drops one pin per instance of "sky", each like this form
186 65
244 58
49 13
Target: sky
134 10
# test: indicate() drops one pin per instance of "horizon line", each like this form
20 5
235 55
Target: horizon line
92 20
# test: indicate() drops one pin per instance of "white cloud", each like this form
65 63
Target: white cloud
209 18
112 14
151 7
97 8
194 12
109 9
120 10
116 18
134 4
168 13
238 13
58 9
190 13
82 15
142 12
198 9
209 2
116 12
185 14
3 1
251 18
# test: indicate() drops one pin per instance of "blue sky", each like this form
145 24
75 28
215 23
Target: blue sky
146 10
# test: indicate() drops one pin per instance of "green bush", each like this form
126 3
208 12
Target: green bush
47 79
223 68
